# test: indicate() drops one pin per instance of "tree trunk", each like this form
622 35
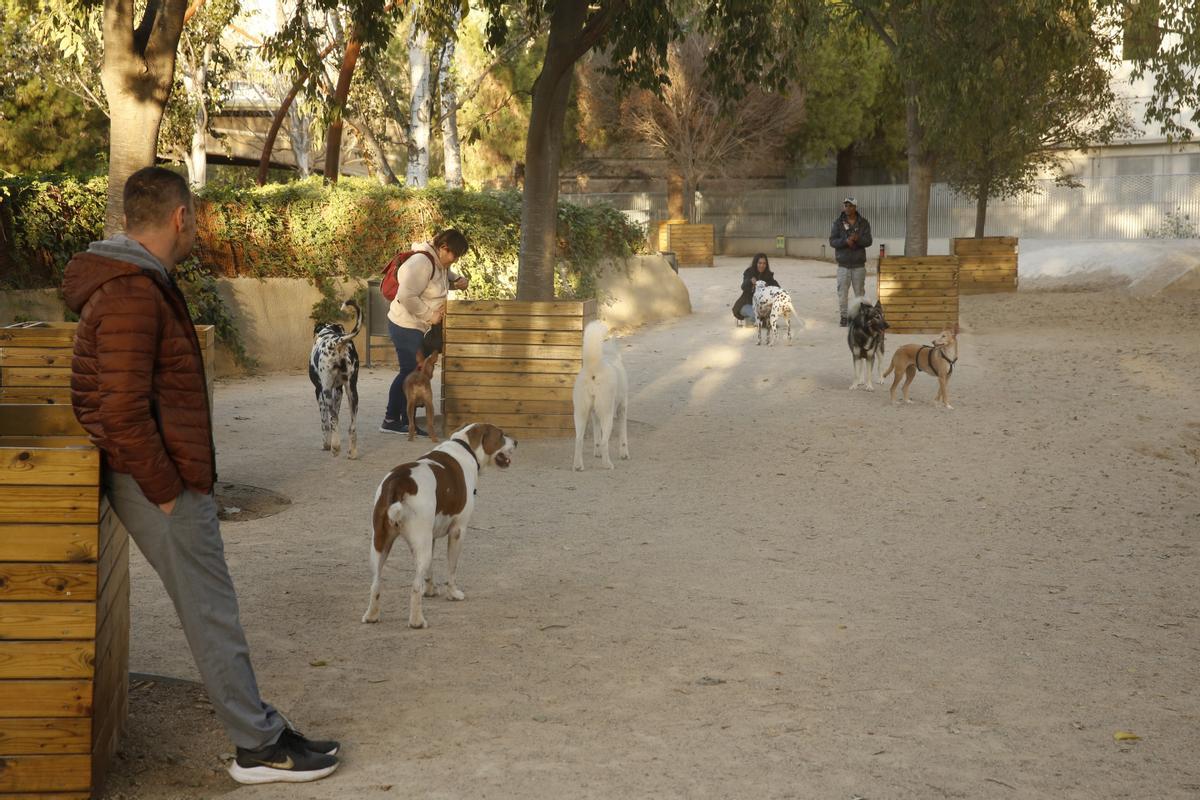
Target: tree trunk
920 180
543 152
689 199
845 166
137 74
419 122
333 142
981 204
198 158
451 147
675 194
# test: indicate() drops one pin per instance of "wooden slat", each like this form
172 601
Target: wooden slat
62 504
49 796
52 337
544 421
61 773
505 336
29 466
483 408
30 542
33 357
34 395
455 392
48 698
531 351
513 379
899 283
25 581
48 736
39 420
554 308
35 376
42 621
116 585
46 660
535 365
512 323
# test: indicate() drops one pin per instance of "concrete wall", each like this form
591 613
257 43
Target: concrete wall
642 290
43 305
273 315
813 248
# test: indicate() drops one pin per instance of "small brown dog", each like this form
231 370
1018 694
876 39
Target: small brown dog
937 359
418 391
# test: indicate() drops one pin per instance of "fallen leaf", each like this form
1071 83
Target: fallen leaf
317 663
1125 736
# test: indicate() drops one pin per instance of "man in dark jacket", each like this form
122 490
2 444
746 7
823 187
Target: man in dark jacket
138 388
850 237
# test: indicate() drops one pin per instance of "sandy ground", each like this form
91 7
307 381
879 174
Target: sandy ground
792 590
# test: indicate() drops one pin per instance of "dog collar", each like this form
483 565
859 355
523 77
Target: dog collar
467 447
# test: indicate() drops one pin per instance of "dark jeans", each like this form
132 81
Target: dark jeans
407 342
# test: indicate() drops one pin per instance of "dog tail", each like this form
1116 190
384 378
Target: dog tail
891 367
358 318
855 303
593 346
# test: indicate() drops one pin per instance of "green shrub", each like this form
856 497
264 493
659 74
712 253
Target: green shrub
306 229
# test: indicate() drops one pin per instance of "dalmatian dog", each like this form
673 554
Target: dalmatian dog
771 303
333 368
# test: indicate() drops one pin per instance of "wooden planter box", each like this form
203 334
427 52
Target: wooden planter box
692 244
986 265
919 294
513 364
64 609
35 361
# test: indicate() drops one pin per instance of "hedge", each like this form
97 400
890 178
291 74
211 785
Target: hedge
308 230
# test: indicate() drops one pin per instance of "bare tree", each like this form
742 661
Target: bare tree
419 113
702 136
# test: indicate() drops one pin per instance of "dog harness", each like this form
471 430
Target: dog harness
929 359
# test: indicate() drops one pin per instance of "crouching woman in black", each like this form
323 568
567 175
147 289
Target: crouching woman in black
759 270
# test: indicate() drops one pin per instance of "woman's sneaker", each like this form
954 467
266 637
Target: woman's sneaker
390 426
286 761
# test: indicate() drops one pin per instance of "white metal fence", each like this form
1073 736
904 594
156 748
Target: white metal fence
1101 208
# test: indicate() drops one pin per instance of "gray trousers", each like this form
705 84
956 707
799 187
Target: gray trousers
846 276
188 554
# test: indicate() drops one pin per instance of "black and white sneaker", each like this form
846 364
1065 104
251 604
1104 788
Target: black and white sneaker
286 761
325 747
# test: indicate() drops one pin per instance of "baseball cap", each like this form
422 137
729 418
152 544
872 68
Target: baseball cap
850 201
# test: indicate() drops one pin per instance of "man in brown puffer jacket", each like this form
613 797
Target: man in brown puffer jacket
138 388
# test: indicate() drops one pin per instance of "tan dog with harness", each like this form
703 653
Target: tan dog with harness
937 359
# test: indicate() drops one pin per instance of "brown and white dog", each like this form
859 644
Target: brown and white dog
427 499
418 391
937 359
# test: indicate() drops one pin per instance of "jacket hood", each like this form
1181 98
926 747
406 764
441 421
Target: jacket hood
87 272
104 260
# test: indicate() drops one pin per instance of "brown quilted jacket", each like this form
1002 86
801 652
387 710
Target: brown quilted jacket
137 377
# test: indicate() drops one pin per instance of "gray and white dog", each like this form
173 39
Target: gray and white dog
865 337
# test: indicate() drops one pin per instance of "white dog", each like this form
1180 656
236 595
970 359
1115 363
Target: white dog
771 303
601 394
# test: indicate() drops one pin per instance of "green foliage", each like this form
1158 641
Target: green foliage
43 126
307 230
1163 40
351 230
44 220
1174 225
1024 80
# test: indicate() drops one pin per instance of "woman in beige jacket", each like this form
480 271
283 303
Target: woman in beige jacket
424 280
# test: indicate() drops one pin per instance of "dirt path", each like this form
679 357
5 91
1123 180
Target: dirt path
792 590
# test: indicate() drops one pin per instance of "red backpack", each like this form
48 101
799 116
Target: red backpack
389 285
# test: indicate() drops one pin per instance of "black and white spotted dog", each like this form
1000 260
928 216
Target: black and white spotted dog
333 368
770 304
865 337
